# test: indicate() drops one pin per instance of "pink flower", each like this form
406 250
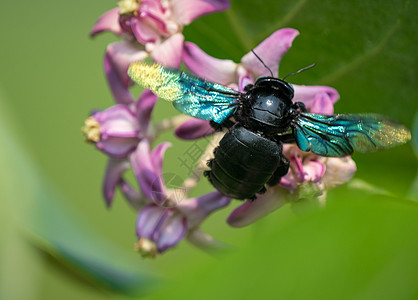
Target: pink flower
158 229
150 28
239 75
165 215
304 167
116 132
168 216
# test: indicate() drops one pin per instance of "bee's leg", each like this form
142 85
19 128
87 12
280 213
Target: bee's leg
252 198
219 127
206 173
280 171
299 106
262 190
209 163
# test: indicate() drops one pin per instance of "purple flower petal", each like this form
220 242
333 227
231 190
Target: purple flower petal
322 104
147 168
168 53
143 33
204 241
117 59
172 231
153 15
144 107
117 121
134 198
197 209
221 71
303 167
249 212
122 54
119 131
194 129
244 78
164 226
185 11
153 6
157 156
271 51
109 21
114 170
296 163
148 220
314 170
307 94
289 181
117 147
120 92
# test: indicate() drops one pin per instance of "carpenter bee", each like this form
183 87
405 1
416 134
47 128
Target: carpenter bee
249 156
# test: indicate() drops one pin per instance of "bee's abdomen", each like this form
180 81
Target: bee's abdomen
243 163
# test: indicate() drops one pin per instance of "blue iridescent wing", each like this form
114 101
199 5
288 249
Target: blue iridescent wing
190 95
340 135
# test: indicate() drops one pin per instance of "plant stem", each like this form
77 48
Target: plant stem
170 123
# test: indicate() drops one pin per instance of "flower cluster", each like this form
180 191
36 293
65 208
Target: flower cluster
149 28
125 133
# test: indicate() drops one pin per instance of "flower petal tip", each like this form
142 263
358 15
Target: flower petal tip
271 51
188 10
194 129
109 21
169 53
238 215
220 71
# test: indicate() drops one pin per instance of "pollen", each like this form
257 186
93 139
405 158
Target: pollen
128 7
146 248
390 134
162 82
91 130
395 134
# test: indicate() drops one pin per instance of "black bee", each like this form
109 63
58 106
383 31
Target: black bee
249 156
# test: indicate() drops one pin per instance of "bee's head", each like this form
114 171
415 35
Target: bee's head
283 87
269 102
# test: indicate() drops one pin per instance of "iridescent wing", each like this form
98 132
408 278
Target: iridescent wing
190 95
340 135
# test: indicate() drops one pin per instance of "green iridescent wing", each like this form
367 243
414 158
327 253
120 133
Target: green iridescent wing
340 135
190 95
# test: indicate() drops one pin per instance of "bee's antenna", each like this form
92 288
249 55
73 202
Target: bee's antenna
252 50
301 70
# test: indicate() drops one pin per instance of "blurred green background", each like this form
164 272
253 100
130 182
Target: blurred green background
58 239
